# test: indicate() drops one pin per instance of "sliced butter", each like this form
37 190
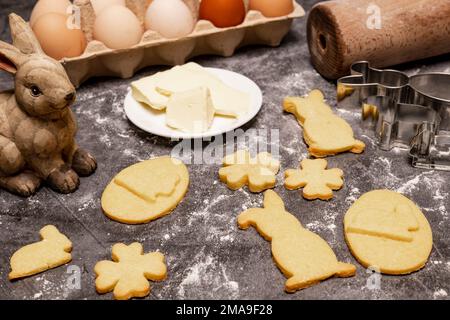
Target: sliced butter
226 100
190 111
144 91
155 90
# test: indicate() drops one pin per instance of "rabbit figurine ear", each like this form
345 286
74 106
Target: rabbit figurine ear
10 57
22 35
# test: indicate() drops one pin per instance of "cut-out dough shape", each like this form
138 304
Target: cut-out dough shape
51 252
146 191
324 132
318 182
129 272
395 224
239 169
387 231
303 257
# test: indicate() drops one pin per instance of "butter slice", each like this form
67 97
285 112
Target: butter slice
227 101
155 91
190 111
144 91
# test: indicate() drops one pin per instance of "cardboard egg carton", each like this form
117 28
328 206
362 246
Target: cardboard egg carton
153 49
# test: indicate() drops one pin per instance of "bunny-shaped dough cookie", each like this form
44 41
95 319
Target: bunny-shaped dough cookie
37 127
51 252
302 256
325 133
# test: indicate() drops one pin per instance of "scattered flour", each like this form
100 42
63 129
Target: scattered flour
208 276
37 295
57 290
441 293
354 195
227 238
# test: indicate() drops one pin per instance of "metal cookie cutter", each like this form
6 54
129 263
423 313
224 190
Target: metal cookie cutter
406 112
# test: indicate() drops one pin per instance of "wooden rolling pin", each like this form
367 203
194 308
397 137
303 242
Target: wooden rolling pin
383 32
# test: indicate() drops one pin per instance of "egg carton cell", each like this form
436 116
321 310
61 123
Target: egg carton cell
153 49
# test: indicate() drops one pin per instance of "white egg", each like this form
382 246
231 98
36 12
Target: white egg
170 18
117 27
99 5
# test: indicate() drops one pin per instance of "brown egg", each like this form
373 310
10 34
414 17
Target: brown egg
270 8
223 13
56 39
46 6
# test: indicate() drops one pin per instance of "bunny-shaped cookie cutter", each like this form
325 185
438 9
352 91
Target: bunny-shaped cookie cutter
37 127
406 112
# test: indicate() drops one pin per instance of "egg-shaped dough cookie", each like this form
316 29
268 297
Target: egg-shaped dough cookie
388 233
146 191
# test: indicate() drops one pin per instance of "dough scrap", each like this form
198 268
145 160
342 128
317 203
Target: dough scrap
51 252
303 257
324 132
387 231
318 182
129 272
146 191
259 173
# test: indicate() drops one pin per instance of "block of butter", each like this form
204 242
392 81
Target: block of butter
144 91
226 100
156 90
190 111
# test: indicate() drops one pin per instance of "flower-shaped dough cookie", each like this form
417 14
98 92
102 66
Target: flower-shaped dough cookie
318 182
128 274
325 133
239 169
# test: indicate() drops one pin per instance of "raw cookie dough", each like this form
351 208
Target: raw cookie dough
303 257
387 232
239 169
146 191
51 252
128 274
324 132
318 182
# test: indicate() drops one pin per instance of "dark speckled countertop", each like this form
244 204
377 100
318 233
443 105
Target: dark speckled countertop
207 255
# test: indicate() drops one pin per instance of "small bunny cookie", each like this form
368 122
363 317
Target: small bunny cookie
51 252
302 256
387 231
318 181
239 169
128 274
324 132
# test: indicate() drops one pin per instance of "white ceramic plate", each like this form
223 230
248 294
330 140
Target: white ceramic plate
154 121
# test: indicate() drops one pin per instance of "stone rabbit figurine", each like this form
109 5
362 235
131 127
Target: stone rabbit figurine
37 127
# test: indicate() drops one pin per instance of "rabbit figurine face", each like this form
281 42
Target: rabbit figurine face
37 127
42 87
